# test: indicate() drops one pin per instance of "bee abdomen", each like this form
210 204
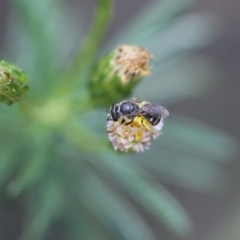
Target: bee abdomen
154 121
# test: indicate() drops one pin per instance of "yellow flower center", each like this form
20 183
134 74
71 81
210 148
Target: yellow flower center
138 136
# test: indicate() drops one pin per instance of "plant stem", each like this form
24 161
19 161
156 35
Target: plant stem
83 139
84 58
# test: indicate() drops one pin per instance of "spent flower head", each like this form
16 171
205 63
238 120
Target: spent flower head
131 62
116 74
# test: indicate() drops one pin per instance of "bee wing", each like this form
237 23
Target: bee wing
154 110
136 113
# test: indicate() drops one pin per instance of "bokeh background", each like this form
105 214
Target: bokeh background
213 67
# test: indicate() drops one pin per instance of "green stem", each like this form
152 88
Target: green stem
83 139
33 22
84 58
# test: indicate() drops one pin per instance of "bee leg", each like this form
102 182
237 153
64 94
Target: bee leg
129 122
142 122
109 118
123 121
147 127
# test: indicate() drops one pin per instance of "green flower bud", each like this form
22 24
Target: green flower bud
13 83
116 74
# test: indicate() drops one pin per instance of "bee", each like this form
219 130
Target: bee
126 110
148 114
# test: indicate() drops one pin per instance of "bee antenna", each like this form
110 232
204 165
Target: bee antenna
109 118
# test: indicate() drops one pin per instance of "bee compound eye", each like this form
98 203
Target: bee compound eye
114 112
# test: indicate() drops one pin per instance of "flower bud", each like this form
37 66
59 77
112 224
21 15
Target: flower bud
13 83
116 74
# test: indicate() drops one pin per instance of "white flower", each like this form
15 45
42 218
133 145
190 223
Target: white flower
132 137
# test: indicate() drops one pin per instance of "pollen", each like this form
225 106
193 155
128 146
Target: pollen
138 136
136 122
131 62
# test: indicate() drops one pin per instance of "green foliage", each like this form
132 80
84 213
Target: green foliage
54 148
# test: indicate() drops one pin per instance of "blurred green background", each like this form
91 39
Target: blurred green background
58 178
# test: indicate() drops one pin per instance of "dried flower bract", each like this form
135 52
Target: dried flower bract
117 73
131 62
